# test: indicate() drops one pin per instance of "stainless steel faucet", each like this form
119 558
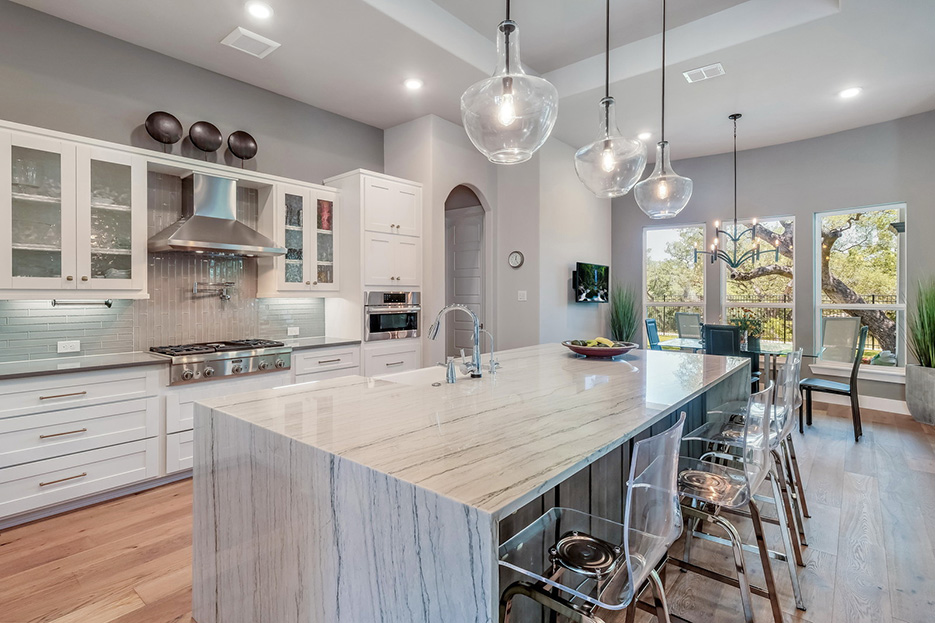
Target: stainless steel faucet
474 367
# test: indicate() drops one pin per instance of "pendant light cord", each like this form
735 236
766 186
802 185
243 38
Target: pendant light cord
507 10
735 176
663 107
607 52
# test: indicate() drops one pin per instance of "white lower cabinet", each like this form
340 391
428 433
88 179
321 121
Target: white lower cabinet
33 485
396 356
180 451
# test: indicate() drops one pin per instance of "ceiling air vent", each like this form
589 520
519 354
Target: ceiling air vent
704 73
250 42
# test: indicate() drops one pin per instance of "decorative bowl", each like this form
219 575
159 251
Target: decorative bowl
601 351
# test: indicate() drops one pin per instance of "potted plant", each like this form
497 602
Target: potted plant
624 313
751 326
920 379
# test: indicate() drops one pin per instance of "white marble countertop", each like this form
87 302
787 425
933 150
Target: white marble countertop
62 365
305 343
492 443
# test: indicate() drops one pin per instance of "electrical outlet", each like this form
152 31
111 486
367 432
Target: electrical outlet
293 331
521 295
69 346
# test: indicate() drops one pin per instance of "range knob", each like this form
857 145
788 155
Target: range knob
187 375
237 368
264 365
280 363
208 372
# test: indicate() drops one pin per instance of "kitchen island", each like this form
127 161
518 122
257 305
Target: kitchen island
362 500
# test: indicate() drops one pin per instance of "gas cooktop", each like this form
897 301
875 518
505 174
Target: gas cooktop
214 347
204 361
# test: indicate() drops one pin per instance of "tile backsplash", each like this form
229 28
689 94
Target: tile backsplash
172 314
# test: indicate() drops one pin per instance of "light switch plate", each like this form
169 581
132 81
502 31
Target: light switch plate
521 295
69 346
293 331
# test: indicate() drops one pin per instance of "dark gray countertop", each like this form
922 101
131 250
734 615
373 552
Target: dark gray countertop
62 365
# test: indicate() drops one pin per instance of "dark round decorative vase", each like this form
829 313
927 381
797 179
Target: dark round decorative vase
163 127
242 145
205 136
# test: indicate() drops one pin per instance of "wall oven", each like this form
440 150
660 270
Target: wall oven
391 315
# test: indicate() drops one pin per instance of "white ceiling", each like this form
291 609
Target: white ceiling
785 59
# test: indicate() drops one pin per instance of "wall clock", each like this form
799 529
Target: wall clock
516 259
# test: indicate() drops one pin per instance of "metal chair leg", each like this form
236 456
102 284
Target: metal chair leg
550 601
855 414
764 560
793 491
787 542
800 486
659 597
808 407
789 522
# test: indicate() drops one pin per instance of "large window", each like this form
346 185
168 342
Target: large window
859 272
673 281
763 288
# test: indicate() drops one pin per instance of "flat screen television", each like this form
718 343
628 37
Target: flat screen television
591 283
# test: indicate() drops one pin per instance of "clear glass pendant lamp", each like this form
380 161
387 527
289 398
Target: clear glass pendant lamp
511 114
612 164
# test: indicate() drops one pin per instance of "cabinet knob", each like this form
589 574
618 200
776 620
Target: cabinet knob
314 283
69 278
399 279
308 283
392 278
84 278
392 226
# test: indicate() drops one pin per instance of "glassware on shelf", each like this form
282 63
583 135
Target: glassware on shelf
294 244
294 271
110 229
325 247
325 214
293 210
325 273
37 263
111 266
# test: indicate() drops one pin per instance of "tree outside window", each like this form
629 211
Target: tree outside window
674 282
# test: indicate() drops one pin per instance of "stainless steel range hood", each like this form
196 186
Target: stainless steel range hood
209 222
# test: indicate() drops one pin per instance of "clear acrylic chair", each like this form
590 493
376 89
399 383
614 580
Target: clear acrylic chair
597 563
688 325
709 488
723 432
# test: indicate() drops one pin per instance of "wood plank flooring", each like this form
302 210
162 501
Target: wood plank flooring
871 554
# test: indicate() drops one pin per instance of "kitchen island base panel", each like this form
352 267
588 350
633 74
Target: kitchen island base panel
286 533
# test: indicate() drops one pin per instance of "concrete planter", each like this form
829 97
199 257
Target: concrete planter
920 393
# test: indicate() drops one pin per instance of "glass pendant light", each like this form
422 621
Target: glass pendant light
664 193
612 164
511 114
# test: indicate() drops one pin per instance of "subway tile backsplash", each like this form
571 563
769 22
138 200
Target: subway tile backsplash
172 314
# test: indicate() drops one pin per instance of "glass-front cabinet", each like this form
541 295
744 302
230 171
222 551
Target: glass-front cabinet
305 222
73 218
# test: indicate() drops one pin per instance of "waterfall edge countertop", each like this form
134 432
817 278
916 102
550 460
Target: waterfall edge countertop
492 443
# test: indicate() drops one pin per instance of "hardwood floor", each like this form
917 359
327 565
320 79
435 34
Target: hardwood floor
871 554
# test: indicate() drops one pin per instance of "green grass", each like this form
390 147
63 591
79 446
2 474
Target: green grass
922 326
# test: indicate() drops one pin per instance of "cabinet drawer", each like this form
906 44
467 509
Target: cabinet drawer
320 360
34 485
48 435
392 360
326 374
179 451
180 403
65 391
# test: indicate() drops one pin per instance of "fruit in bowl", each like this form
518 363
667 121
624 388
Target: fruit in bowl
599 347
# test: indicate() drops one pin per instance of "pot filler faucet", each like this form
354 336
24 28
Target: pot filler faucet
475 366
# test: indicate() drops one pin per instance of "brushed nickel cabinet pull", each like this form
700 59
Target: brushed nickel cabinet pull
71 432
55 482
84 278
69 278
395 363
62 395
329 360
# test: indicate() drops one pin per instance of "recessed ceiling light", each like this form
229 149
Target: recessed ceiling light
259 10
413 84
645 136
851 92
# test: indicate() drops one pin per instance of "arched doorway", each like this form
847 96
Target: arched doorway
465 266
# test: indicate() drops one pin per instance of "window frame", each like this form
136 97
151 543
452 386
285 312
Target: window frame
901 270
723 274
704 277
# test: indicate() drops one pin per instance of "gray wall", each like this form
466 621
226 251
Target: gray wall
61 76
883 163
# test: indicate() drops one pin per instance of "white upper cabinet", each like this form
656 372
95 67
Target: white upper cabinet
72 219
304 221
392 207
392 260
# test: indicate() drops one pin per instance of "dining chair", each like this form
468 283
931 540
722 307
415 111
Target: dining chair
724 339
810 385
652 334
579 562
688 325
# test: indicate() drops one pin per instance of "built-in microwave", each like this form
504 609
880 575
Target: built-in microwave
391 315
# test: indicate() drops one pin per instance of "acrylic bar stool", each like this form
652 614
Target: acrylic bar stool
596 563
708 488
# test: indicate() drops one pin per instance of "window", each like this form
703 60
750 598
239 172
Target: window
763 288
859 271
673 281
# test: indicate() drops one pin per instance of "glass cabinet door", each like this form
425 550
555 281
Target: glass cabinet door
111 220
293 268
325 244
38 212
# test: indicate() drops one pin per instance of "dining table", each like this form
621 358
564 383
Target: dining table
770 350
